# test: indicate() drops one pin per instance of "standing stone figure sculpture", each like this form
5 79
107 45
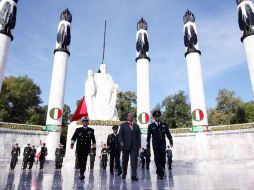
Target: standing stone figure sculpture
190 34
101 95
142 44
245 17
8 12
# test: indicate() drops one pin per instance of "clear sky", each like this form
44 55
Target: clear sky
223 58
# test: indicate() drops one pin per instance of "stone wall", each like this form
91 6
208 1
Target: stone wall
221 145
8 137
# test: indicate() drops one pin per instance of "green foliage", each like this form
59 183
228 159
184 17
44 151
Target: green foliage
230 109
126 102
20 101
176 111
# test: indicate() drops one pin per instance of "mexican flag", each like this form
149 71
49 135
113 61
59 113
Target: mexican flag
55 113
143 118
197 115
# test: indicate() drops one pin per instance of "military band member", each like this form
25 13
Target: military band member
158 130
169 157
26 155
59 154
142 157
147 155
83 135
130 141
32 156
113 144
92 156
44 153
15 152
104 156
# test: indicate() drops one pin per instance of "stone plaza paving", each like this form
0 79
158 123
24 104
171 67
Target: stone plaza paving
207 175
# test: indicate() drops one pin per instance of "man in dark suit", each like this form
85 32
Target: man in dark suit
130 141
15 152
114 150
43 154
83 135
158 130
32 156
26 155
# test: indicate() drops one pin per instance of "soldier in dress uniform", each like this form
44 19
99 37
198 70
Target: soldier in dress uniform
142 157
169 157
32 156
15 152
158 130
92 156
44 153
26 155
59 154
83 135
113 144
104 156
147 155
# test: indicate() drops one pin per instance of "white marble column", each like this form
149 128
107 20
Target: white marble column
143 75
8 10
245 10
58 81
196 86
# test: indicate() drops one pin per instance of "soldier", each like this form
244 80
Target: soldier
92 156
44 153
32 156
169 157
83 135
158 130
59 154
113 144
147 155
142 157
26 155
15 152
104 156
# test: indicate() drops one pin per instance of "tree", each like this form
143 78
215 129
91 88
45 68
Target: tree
126 102
176 110
65 122
249 111
20 100
229 109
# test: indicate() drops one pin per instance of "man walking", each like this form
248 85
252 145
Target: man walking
114 150
15 152
83 135
26 155
44 153
32 156
130 141
158 130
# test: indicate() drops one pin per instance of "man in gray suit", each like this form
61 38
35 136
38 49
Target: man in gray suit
130 141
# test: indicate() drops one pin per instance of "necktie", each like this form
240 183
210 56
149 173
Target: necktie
131 126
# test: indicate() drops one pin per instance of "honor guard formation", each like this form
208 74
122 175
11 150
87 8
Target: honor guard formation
122 145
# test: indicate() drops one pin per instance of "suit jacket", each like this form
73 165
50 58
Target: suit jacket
159 133
131 139
113 143
84 138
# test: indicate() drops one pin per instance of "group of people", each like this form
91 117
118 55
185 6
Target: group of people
29 154
126 142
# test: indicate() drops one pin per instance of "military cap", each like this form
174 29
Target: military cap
156 113
85 118
115 127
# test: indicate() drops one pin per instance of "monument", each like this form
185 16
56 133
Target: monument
101 95
143 75
192 54
56 97
8 11
245 10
